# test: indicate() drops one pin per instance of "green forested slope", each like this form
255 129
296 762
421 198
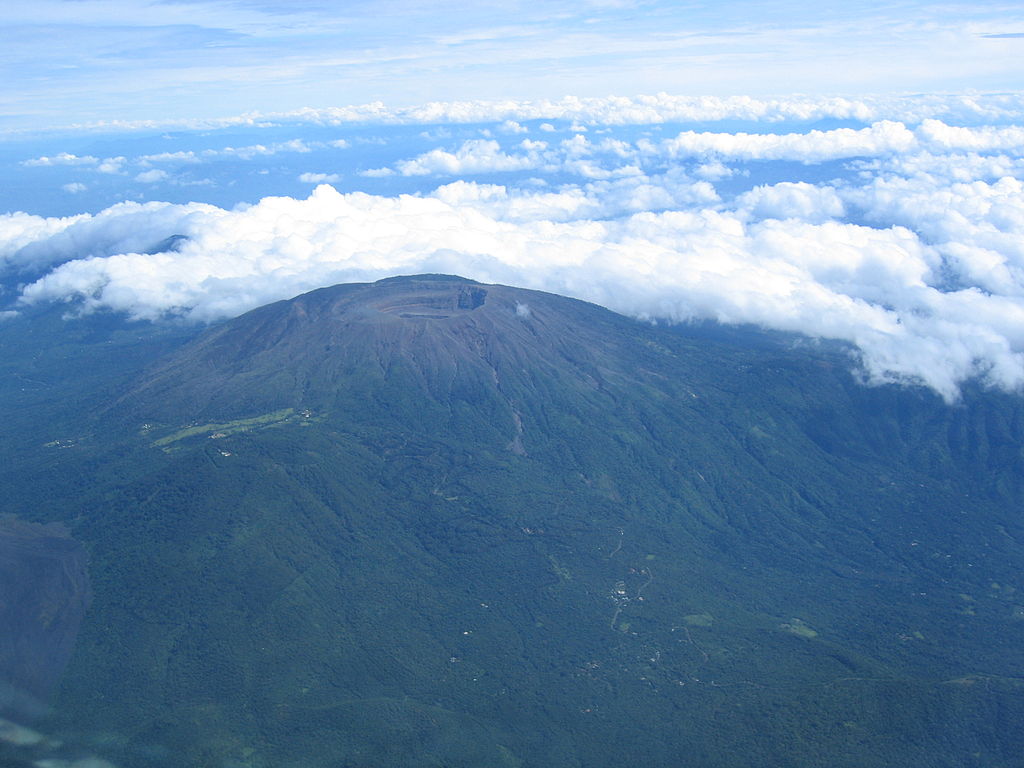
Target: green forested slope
427 522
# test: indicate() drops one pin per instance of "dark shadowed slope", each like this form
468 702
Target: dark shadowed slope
44 592
431 522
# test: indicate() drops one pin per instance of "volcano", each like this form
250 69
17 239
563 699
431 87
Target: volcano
427 521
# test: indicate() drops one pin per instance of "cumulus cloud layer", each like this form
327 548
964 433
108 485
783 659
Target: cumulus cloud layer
650 109
914 252
658 108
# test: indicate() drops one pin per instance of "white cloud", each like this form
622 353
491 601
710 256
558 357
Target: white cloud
986 138
496 202
792 200
619 194
474 156
183 156
152 176
611 157
713 170
35 242
877 288
319 178
944 168
880 138
62 158
576 155
259 150
669 108
247 152
74 187
649 109
111 165
21 231
106 165
577 146
978 227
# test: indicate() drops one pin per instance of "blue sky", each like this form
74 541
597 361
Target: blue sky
849 171
74 61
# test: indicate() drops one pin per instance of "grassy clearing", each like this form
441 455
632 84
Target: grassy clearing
233 427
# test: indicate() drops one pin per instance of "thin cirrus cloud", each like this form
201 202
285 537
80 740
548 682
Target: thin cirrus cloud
125 60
